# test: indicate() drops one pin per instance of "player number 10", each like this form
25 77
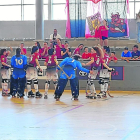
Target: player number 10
19 62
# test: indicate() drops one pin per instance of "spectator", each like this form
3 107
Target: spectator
54 37
126 55
93 53
78 49
66 51
113 57
23 50
86 54
58 48
40 49
135 53
45 50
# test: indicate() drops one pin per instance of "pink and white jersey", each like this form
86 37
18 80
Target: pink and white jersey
58 51
106 60
50 60
4 59
77 51
97 62
33 57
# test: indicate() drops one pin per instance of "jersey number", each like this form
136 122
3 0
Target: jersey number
19 62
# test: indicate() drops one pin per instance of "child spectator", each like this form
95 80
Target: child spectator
135 53
45 50
113 57
126 54
86 54
78 49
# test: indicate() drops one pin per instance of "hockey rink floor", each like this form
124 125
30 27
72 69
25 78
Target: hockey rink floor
108 118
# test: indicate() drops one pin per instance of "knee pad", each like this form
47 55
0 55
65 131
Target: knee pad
101 81
5 81
106 80
55 82
35 81
90 82
48 82
29 82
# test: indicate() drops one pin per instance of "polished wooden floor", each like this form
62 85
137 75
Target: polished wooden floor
115 118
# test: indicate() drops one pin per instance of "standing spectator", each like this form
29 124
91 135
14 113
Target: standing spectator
58 48
54 37
40 49
45 50
23 50
86 54
93 53
66 51
126 55
103 33
78 49
135 53
113 57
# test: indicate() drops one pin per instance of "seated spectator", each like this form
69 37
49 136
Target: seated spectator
113 57
126 55
86 54
45 50
58 48
40 49
23 50
78 49
54 37
66 51
93 53
135 53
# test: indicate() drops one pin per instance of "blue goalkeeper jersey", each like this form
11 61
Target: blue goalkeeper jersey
19 62
70 65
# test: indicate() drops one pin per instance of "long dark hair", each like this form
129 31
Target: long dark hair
38 45
99 51
2 51
18 50
106 48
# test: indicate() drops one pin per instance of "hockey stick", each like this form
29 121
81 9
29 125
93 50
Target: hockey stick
108 91
64 72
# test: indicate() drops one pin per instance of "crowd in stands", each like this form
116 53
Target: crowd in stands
63 50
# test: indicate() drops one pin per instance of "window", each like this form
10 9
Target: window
45 12
29 12
10 13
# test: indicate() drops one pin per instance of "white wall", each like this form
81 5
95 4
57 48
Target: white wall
26 29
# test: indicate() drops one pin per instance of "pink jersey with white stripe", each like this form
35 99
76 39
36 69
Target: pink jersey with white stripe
33 58
50 60
4 59
97 62
106 60
77 51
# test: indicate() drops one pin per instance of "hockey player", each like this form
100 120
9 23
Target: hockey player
18 78
94 65
32 72
104 73
4 71
68 72
51 74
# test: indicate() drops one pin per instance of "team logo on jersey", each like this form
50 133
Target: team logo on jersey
3 59
81 73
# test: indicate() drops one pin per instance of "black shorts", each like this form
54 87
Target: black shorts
104 38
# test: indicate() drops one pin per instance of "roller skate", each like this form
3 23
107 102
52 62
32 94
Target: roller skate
45 96
31 94
92 96
13 94
20 95
5 93
87 95
100 94
38 95
56 97
104 95
75 98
